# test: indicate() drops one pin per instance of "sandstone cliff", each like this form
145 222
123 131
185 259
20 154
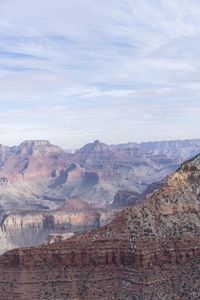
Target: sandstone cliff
150 251
31 228
37 174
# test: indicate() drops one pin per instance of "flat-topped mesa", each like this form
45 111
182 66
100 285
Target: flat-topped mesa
74 214
32 159
35 143
42 146
150 251
181 149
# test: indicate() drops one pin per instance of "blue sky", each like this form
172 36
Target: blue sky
115 70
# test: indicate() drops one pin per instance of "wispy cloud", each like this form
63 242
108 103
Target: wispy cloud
107 69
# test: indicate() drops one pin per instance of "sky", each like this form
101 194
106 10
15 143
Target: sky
115 70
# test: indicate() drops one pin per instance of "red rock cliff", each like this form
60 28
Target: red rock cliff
151 251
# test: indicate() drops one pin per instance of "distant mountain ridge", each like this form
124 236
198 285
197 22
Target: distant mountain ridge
37 178
149 251
181 149
37 173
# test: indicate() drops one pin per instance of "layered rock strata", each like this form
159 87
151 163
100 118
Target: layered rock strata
150 251
31 228
37 173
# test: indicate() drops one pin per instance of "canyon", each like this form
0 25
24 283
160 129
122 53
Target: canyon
41 184
149 251
37 174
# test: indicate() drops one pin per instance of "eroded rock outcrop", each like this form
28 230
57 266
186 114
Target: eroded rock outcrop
150 251
126 198
31 228
125 168
37 174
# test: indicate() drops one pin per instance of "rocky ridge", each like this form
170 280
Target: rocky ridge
150 251
176 149
37 174
31 228
36 178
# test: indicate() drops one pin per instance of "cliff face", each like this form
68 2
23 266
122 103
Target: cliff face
110 160
73 213
25 172
37 173
150 251
126 198
177 149
123 168
30 159
30 228
181 149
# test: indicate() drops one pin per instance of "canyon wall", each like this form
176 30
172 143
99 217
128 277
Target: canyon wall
150 251
31 228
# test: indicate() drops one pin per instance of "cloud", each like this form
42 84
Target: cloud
119 67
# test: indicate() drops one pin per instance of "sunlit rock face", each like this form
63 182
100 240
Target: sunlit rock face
25 172
37 177
37 174
31 228
31 159
150 251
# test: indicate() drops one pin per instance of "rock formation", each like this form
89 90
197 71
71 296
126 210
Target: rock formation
36 178
25 171
30 228
177 149
37 174
150 251
31 159
126 198
123 168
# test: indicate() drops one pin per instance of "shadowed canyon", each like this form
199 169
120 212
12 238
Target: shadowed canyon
47 192
149 251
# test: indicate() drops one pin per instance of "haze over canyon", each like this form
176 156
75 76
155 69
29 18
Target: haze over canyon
149 251
48 194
